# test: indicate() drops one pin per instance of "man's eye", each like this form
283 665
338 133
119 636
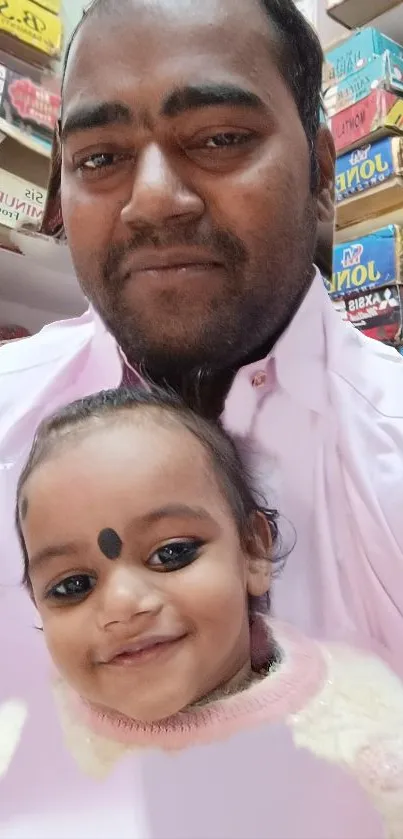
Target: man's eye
227 139
100 161
73 588
175 555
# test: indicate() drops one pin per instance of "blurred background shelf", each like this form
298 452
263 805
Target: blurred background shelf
357 13
33 293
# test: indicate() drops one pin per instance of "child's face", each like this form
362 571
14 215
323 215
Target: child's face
166 622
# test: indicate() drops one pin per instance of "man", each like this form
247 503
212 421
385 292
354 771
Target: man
194 173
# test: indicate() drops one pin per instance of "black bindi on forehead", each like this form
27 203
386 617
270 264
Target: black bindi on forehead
110 543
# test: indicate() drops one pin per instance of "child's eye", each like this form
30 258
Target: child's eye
175 555
75 587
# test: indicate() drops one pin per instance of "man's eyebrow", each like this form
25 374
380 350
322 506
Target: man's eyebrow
97 115
192 97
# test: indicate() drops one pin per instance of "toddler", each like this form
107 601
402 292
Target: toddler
148 557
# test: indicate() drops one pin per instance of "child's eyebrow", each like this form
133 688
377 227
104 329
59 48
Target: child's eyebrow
179 511
53 551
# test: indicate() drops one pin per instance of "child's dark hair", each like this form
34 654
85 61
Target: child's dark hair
228 467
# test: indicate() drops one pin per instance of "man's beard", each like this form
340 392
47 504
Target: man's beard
256 301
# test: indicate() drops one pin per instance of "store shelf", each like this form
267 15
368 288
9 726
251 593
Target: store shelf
366 226
390 23
41 147
357 13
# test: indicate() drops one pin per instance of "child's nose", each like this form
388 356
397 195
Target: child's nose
126 595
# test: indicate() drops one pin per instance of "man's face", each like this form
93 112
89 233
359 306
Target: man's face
185 180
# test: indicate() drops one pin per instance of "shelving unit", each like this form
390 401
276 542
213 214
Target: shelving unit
363 89
33 288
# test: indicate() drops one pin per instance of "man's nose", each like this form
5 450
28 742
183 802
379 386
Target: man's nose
127 595
159 196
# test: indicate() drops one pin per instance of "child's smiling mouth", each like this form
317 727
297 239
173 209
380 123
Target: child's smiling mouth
143 650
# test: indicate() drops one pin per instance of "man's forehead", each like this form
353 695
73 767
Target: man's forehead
151 31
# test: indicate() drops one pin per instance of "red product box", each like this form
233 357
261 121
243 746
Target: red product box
378 114
27 105
377 313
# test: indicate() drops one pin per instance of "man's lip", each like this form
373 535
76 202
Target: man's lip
137 646
170 259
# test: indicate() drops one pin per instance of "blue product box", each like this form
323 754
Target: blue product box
371 262
385 71
356 52
368 166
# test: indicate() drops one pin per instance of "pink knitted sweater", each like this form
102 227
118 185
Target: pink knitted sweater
324 730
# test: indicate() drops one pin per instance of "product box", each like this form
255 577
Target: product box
28 106
385 71
369 263
354 13
378 314
30 31
370 119
369 181
340 306
54 6
20 201
355 52
23 181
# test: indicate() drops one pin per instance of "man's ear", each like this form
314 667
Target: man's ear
325 152
52 221
326 156
260 551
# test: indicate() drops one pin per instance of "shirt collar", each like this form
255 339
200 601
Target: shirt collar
300 355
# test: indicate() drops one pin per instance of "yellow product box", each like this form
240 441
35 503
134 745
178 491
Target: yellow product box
30 31
54 6
20 201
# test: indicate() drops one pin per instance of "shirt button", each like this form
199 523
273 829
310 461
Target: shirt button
259 379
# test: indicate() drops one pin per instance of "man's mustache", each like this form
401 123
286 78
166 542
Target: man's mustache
223 246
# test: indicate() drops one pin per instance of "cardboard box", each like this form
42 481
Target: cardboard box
23 181
355 13
385 71
340 306
370 119
27 106
355 52
378 314
369 181
20 201
30 31
54 6
369 263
